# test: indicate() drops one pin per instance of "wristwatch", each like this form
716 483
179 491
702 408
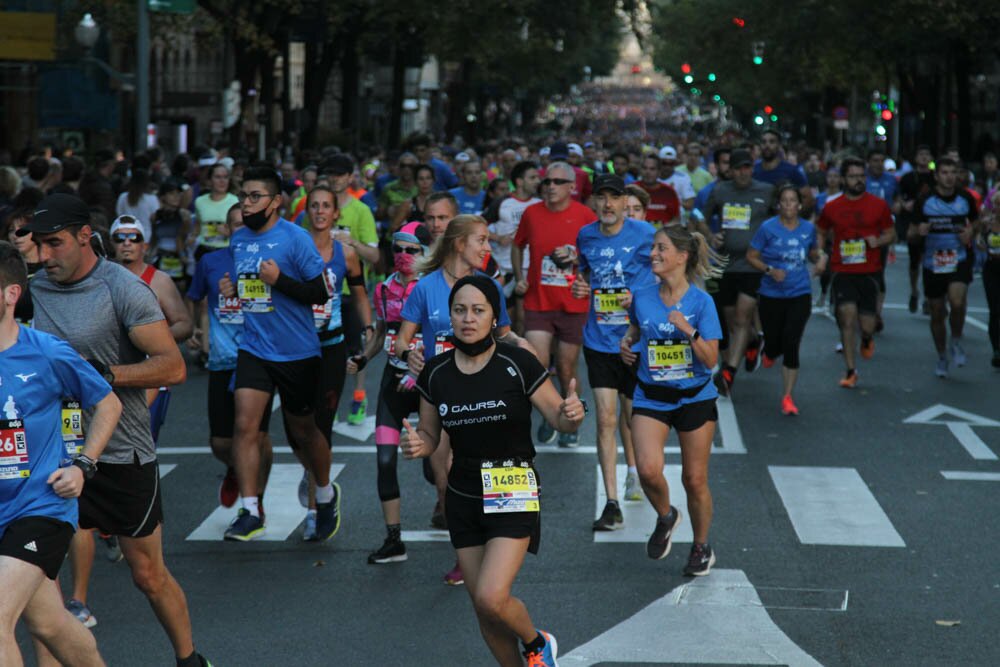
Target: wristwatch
87 465
104 370
767 269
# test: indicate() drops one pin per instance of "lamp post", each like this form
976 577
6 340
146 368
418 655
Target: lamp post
87 32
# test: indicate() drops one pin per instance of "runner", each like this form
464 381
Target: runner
210 212
913 186
991 277
771 168
113 320
551 313
675 323
424 176
279 274
664 206
678 180
481 393
636 202
38 485
171 227
858 224
780 249
614 262
408 245
884 186
946 220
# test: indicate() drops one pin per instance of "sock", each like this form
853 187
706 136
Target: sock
632 470
324 494
193 660
535 645
359 395
394 531
252 505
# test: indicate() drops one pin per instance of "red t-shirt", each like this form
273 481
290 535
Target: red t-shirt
543 231
851 221
664 204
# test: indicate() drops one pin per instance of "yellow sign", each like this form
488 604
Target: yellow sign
27 36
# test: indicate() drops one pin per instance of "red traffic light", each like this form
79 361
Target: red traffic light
768 109
738 22
886 114
685 68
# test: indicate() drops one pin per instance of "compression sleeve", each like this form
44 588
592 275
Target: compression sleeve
308 293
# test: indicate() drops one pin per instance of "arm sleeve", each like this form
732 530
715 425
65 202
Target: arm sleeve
77 379
308 293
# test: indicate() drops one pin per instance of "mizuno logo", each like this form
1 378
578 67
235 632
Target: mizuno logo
25 378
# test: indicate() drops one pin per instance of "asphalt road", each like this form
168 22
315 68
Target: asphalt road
844 536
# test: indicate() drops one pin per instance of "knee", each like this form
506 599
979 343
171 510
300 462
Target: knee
695 483
490 605
607 418
245 425
650 474
150 578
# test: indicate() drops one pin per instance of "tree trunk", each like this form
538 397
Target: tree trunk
320 61
963 99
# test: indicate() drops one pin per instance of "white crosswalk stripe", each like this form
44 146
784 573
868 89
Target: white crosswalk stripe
640 515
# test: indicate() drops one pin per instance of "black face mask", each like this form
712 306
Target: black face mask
256 220
472 349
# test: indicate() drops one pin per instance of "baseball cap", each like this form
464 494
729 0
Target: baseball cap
559 151
463 157
574 149
208 159
55 213
611 182
338 164
544 151
668 153
171 185
739 158
126 223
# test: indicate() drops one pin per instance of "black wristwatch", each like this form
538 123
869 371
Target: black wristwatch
104 370
87 465
695 335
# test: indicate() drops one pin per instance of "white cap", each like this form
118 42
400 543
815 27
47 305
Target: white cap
463 157
228 161
574 149
126 223
668 153
544 151
208 159
890 164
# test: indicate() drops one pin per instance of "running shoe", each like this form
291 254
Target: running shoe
328 516
611 518
244 527
914 302
659 542
767 361
957 353
723 381
391 551
114 549
358 411
82 613
867 348
569 440
304 489
454 576
942 368
546 656
633 489
753 354
438 519
309 529
229 489
996 359
839 348
850 380
700 561
788 406
545 434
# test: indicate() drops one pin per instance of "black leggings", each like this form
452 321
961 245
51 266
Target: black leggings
991 282
784 321
393 407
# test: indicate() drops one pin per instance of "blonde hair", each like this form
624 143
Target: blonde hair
703 262
460 227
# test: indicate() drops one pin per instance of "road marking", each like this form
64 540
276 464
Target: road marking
360 432
165 469
979 324
426 536
370 449
833 506
960 423
971 476
276 405
281 505
903 306
640 515
729 427
718 619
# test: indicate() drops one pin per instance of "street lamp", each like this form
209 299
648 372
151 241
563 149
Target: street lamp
87 32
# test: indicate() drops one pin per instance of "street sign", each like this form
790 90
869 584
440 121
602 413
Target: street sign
841 124
27 36
840 113
172 6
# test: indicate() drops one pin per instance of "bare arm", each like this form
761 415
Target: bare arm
163 367
564 415
172 305
68 482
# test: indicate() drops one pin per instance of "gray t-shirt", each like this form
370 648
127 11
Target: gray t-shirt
741 213
95 315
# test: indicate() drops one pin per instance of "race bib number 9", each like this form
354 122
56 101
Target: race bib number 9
736 216
14 462
509 488
669 359
172 266
854 251
254 293
609 306
72 427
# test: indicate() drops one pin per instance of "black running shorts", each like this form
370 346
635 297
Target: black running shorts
123 499
607 370
222 406
688 417
296 381
39 540
861 289
733 284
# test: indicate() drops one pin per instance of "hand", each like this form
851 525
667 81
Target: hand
269 271
778 275
571 408
413 446
625 350
680 322
342 235
356 363
415 361
626 300
820 265
924 228
194 342
580 288
67 482
965 236
226 287
521 288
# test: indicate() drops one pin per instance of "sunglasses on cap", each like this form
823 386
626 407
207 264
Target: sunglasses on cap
121 237
555 181
410 250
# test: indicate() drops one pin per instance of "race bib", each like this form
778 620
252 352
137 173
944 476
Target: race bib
254 293
993 244
229 310
322 313
854 251
442 344
391 334
608 305
14 462
72 427
945 261
736 216
553 276
172 266
210 232
669 359
509 486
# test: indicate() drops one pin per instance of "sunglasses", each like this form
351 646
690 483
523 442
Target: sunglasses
409 250
556 181
134 237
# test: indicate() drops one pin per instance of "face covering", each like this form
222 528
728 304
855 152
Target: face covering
256 220
472 349
404 263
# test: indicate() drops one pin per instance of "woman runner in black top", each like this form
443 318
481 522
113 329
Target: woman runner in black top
481 393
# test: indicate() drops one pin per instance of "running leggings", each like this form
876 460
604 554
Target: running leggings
784 321
991 282
393 407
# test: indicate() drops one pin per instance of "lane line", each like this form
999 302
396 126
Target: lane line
426 536
640 517
971 476
979 324
729 428
972 443
833 506
904 306
370 449
166 469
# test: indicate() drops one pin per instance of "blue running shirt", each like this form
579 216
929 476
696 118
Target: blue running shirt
788 251
225 317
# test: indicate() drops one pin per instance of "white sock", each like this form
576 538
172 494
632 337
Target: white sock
324 494
251 505
632 470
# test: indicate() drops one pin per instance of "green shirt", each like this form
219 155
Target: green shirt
211 216
394 193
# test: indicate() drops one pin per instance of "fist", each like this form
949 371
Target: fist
680 322
226 287
521 288
269 271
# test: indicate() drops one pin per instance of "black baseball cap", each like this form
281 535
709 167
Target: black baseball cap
338 164
739 158
55 213
611 182
559 151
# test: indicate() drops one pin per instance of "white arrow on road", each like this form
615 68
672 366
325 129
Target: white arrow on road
716 619
960 423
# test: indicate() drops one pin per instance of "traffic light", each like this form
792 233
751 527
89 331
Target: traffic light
774 118
880 130
758 119
688 79
738 22
717 98
686 68
768 109
886 114
758 60
758 53
711 76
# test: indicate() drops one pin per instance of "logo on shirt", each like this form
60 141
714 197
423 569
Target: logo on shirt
607 252
271 245
471 407
253 247
31 546
512 372
25 377
443 409
628 248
